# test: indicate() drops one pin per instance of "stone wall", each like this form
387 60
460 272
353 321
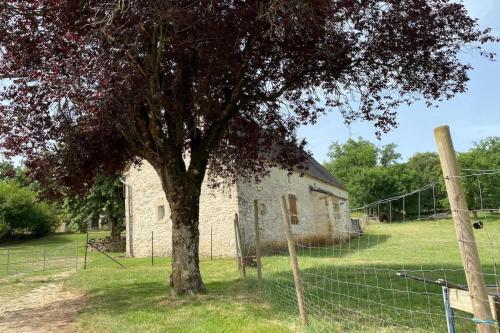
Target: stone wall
321 217
145 195
318 222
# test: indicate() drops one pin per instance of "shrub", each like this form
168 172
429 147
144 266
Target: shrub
22 213
4 228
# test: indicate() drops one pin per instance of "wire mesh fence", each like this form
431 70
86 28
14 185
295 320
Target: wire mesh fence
399 273
388 279
27 259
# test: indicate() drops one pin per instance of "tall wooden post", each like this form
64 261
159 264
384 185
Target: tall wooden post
257 245
239 251
464 231
152 249
293 259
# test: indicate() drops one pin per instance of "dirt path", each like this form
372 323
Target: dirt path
45 308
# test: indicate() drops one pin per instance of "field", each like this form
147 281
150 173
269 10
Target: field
351 287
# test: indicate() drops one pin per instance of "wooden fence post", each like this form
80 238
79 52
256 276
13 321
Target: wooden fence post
293 258
152 249
257 245
239 252
464 231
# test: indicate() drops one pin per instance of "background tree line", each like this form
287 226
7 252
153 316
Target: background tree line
371 174
24 212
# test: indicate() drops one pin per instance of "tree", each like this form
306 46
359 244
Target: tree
427 166
192 86
104 197
482 189
354 154
388 155
21 213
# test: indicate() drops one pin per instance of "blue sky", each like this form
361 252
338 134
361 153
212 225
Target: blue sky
471 116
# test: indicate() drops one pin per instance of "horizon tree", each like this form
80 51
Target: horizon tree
191 86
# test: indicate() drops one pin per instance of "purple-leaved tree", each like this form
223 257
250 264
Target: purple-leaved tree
96 83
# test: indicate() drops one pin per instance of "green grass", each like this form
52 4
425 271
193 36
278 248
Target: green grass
136 300
350 287
53 252
353 287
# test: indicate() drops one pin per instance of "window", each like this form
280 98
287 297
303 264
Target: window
289 176
294 218
160 213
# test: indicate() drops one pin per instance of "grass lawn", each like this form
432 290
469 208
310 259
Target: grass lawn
350 287
53 252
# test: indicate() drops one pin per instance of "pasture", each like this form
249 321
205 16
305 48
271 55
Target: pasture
349 287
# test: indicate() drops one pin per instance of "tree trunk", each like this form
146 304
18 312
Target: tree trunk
186 276
116 229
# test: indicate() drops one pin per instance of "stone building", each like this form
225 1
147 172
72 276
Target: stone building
318 207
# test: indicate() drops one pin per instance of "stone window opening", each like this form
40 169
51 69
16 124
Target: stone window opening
160 213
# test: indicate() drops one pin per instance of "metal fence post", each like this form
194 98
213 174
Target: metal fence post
8 260
152 249
44 256
76 255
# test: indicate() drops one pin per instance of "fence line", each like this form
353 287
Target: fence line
27 259
400 276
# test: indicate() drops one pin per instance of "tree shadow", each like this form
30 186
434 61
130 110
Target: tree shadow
342 248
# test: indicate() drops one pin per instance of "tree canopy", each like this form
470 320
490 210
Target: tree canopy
99 83
376 177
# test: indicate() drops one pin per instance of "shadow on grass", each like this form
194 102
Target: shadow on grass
127 297
344 248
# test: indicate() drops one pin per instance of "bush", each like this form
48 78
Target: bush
4 228
21 213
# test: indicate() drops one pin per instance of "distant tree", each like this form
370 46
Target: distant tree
105 197
352 155
427 166
427 169
373 174
485 155
10 172
21 213
99 83
388 155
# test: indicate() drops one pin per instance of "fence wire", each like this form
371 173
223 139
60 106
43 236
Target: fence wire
27 259
389 277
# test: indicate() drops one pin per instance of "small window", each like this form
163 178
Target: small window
289 176
294 218
161 212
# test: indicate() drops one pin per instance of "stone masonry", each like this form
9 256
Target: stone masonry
321 209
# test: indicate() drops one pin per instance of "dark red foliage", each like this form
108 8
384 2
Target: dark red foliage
94 83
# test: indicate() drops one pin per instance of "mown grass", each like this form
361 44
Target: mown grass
350 287
53 252
354 287
136 299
